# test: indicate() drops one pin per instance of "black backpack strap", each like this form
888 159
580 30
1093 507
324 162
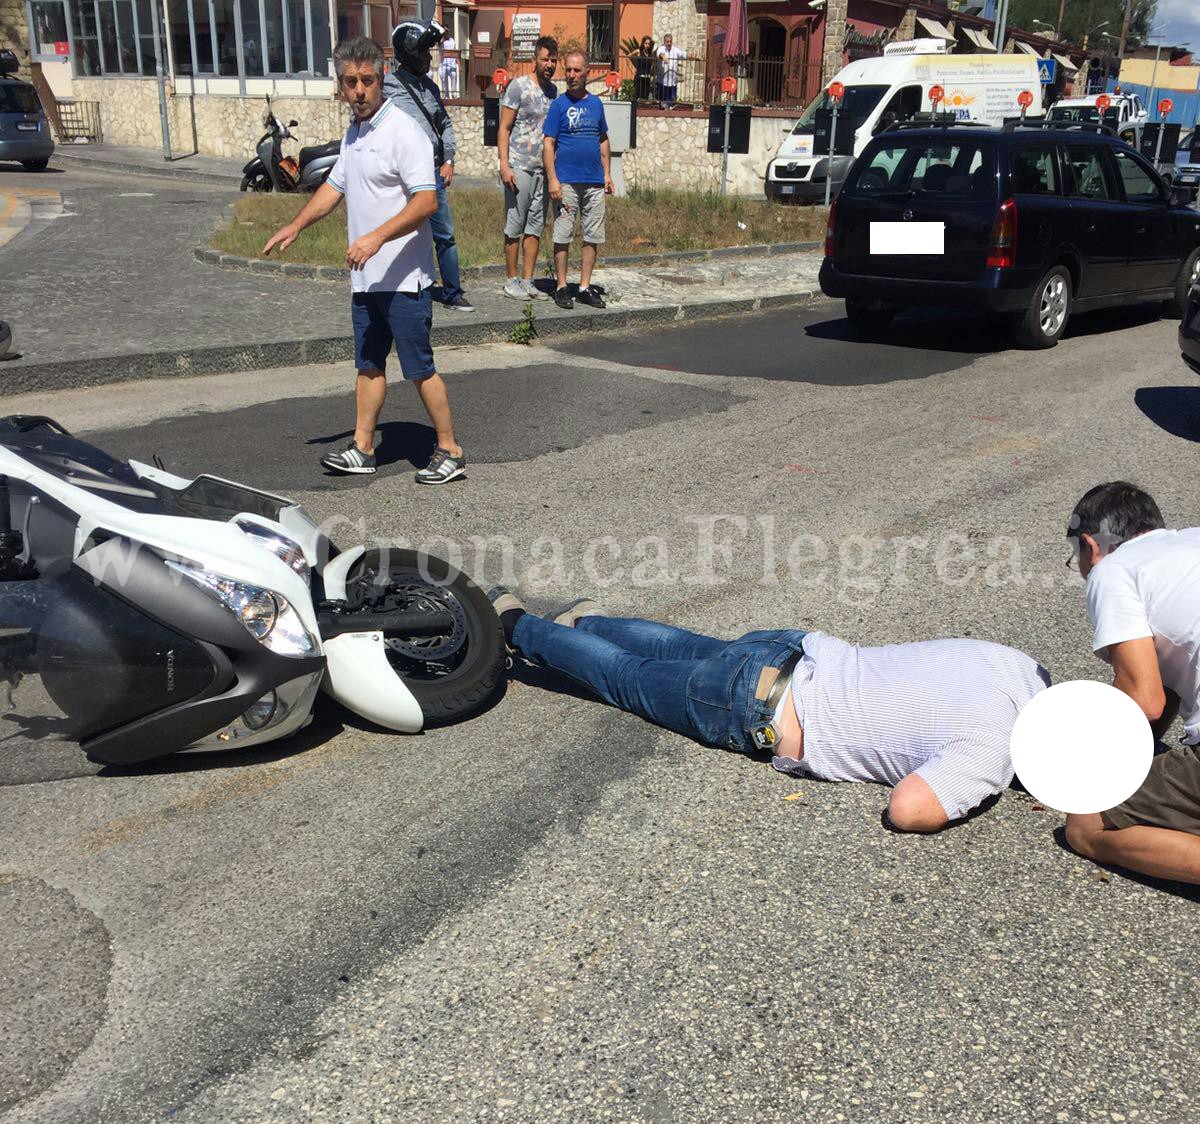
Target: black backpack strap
439 148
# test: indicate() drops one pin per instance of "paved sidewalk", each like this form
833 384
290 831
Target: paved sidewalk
113 293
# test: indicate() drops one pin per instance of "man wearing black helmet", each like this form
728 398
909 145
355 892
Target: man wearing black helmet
413 91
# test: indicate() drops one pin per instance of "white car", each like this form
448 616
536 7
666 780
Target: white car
1125 113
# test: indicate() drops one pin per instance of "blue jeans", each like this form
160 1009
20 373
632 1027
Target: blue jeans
696 685
442 226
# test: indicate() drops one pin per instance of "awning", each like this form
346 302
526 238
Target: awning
1029 50
937 30
488 23
979 38
1065 62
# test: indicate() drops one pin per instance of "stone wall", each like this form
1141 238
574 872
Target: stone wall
225 126
14 34
686 21
670 153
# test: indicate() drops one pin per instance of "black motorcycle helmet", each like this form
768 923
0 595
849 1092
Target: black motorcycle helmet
411 39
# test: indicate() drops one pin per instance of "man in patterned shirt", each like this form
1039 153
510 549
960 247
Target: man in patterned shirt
519 141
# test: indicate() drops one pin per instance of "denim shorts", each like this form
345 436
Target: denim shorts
382 320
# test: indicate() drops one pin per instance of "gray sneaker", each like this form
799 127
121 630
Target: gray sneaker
534 291
514 287
350 460
442 468
570 615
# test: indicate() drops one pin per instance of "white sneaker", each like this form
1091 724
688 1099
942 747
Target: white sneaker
533 291
514 287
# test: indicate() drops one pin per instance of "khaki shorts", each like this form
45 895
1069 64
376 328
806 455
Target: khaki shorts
525 208
1169 796
585 200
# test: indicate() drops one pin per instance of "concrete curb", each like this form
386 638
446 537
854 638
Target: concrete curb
22 378
209 256
177 170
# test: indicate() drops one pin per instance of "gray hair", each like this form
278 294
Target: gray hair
359 49
577 51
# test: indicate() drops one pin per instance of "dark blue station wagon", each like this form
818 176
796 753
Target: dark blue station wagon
1028 221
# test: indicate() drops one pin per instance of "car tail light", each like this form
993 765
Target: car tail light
829 229
1002 249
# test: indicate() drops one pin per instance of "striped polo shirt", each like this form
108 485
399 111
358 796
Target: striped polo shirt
384 161
943 709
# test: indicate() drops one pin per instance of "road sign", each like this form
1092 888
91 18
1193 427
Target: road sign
500 77
936 94
1048 71
1103 102
729 84
1025 99
836 91
613 81
1165 106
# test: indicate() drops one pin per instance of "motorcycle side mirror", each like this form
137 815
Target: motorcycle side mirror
293 123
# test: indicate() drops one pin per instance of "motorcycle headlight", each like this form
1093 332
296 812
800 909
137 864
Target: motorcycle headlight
269 617
279 545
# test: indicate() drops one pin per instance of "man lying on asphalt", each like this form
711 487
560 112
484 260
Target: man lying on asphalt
1143 598
932 719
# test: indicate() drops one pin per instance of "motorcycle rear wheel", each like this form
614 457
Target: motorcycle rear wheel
256 183
465 669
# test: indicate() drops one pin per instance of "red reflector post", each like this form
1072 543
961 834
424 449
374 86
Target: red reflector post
1002 249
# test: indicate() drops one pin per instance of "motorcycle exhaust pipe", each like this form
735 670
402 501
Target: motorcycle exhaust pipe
406 622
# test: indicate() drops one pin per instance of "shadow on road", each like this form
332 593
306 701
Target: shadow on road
14 168
1175 409
398 441
925 331
1184 890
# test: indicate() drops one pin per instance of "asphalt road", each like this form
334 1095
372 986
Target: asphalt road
556 911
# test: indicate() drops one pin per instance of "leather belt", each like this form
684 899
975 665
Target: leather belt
772 683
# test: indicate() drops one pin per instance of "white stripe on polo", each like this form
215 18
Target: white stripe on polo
943 709
384 161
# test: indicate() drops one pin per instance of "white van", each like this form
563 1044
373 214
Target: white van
895 87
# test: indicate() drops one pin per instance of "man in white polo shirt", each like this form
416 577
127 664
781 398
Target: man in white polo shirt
1143 598
931 719
385 173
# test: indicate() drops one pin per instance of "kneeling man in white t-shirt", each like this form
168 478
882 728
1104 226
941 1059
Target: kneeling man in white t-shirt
1143 597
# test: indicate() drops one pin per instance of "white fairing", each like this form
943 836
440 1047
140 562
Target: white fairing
358 673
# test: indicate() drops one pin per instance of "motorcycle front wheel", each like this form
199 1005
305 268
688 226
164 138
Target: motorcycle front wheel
257 182
453 675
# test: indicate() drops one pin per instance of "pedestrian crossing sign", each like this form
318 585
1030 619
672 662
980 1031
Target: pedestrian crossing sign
1047 71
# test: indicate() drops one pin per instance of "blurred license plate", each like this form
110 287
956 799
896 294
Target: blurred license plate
27 126
788 189
908 238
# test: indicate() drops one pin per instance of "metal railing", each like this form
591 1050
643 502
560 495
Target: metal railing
79 120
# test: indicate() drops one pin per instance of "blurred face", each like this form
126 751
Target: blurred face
576 74
424 60
667 41
361 87
545 64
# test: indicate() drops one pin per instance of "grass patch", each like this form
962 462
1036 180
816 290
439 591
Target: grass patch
644 222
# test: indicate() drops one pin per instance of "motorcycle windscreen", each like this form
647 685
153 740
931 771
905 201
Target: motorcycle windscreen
76 661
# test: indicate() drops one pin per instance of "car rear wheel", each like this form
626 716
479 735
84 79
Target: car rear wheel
1189 275
869 322
1045 319
36 165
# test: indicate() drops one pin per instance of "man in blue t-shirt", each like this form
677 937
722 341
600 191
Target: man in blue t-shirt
576 157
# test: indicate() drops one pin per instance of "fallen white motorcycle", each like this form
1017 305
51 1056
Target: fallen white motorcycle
142 613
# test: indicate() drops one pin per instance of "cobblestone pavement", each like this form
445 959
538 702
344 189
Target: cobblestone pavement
117 278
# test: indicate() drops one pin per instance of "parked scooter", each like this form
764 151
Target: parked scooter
270 170
142 613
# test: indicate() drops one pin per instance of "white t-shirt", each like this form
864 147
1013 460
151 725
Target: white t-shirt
668 63
449 63
1150 586
384 161
943 709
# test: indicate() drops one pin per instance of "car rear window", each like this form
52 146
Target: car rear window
18 99
959 168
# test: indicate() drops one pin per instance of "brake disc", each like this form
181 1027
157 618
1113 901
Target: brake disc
422 596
